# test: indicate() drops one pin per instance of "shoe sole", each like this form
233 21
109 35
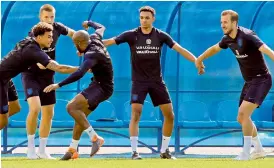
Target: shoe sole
172 158
70 156
260 157
137 158
169 158
33 158
51 158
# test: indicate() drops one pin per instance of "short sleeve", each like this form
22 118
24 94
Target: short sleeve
62 29
167 39
39 57
223 43
125 37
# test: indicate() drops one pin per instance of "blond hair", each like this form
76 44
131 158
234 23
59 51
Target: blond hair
233 15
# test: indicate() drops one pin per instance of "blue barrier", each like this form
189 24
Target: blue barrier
180 76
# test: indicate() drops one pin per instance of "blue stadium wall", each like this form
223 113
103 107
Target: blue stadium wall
196 27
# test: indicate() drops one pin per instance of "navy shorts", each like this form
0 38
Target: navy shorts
95 94
12 93
157 90
34 86
255 90
7 93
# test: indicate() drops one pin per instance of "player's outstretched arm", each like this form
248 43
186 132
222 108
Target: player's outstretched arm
184 52
109 42
208 53
266 50
188 55
66 69
70 32
85 66
99 28
125 37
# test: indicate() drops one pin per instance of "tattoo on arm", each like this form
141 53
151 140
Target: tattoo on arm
53 65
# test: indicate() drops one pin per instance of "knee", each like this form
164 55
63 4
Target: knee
169 116
241 117
136 115
48 115
4 122
51 114
34 110
70 108
167 111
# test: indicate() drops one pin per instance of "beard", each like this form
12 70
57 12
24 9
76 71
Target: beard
228 32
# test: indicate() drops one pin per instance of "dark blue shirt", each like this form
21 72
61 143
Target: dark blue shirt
145 52
26 53
58 29
246 46
97 59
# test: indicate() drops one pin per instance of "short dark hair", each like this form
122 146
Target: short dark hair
233 15
48 8
41 28
148 9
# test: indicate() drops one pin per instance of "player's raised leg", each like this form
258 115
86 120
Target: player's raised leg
72 152
74 108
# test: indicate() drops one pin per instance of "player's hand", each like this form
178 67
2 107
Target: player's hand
200 66
85 25
41 66
201 71
51 88
199 63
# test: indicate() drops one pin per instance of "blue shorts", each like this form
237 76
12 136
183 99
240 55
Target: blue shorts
255 90
34 86
95 94
8 93
157 90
